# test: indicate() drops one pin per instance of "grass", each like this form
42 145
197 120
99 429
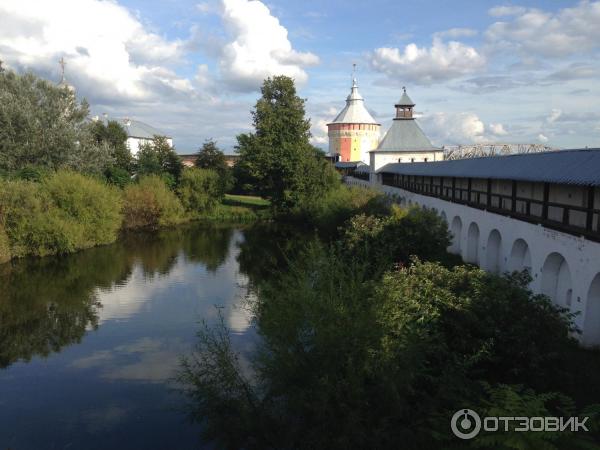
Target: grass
246 200
240 208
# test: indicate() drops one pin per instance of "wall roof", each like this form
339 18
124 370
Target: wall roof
576 166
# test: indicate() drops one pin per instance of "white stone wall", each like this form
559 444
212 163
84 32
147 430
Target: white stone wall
134 144
563 266
378 160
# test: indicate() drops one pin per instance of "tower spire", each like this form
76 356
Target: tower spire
62 63
404 107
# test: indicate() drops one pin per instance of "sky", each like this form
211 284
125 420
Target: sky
479 71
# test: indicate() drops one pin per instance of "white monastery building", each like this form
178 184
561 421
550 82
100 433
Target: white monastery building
139 133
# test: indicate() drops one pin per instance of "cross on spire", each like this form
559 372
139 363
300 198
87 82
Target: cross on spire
62 63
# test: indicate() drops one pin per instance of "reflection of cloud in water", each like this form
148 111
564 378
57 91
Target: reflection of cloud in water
225 288
146 359
103 419
125 300
174 303
95 359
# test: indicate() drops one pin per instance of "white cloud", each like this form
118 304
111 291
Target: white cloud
442 61
260 47
108 51
456 33
454 128
497 129
501 11
207 7
567 32
554 115
542 138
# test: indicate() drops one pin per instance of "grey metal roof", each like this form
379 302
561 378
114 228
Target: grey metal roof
576 166
348 164
138 129
363 168
405 100
354 111
405 135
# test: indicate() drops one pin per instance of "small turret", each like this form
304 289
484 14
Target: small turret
404 107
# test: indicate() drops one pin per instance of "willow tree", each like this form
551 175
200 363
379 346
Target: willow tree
43 124
278 158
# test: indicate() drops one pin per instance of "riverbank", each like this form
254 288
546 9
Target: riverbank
65 211
240 209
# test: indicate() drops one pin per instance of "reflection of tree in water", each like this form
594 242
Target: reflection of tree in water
48 303
208 245
302 390
267 248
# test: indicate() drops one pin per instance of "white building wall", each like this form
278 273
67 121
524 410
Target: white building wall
563 266
379 159
134 144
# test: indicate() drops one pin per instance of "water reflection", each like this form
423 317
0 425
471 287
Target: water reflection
48 303
95 337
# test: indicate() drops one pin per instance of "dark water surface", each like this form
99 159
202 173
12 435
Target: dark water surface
89 342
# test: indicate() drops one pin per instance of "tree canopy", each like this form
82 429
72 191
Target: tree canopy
43 124
211 157
278 160
159 158
115 136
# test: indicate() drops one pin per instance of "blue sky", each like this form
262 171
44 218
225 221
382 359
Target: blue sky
479 71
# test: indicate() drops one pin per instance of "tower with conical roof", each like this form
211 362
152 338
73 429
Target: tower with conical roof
404 141
354 132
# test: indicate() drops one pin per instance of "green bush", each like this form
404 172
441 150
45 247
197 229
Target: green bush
390 240
200 190
4 246
337 206
150 204
34 225
118 176
89 204
32 173
66 212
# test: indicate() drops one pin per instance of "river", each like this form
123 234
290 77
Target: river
90 342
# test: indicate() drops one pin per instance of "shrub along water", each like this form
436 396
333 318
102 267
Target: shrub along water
44 212
93 207
151 204
200 190
4 246
339 204
66 212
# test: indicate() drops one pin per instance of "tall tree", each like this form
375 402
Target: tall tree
212 157
278 158
158 157
115 136
43 124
